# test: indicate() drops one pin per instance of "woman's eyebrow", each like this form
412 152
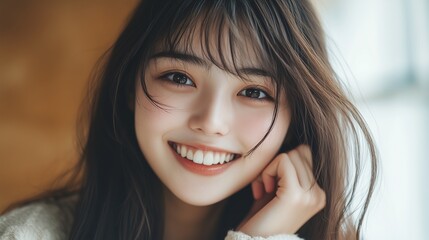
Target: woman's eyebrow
185 57
254 71
189 58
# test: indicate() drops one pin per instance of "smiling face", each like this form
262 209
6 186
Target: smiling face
197 140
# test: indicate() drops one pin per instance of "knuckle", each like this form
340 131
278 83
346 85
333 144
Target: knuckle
293 154
282 156
305 151
284 159
312 201
320 197
323 199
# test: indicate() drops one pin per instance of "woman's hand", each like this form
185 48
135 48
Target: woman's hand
286 195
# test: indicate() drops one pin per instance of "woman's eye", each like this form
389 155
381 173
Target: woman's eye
178 79
255 94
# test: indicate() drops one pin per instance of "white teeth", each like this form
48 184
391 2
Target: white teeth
216 158
190 155
227 157
198 157
183 151
222 158
178 149
207 157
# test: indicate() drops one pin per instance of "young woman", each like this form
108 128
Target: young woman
214 119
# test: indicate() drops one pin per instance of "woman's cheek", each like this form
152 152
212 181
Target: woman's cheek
151 118
253 127
252 124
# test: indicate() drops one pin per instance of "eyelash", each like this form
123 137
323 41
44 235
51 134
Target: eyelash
266 98
169 77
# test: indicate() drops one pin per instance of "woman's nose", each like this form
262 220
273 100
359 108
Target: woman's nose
211 116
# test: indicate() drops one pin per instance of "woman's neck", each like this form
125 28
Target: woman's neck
184 221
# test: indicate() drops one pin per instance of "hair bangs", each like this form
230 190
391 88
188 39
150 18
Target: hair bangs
221 33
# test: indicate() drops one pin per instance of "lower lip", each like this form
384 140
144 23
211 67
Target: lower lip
201 169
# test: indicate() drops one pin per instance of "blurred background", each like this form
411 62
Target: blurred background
380 48
47 52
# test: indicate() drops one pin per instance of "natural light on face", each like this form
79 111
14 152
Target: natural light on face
208 120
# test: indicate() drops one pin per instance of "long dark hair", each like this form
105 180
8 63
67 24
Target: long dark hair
121 197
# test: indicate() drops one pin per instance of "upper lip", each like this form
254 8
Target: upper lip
204 147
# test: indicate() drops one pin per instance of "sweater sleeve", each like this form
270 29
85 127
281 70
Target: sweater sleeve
47 220
232 235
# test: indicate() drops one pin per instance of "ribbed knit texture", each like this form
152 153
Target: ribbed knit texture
52 220
232 235
47 220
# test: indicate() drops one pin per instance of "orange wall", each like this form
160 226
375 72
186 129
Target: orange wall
47 51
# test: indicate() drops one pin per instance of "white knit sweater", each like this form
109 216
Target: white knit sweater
51 220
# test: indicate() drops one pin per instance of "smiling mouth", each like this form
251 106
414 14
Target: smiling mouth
203 157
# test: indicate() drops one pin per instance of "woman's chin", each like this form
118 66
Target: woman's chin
199 199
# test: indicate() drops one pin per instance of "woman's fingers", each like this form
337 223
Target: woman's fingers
305 153
279 173
313 196
303 169
297 197
257 188
295 165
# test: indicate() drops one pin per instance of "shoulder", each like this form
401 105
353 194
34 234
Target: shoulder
47 219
